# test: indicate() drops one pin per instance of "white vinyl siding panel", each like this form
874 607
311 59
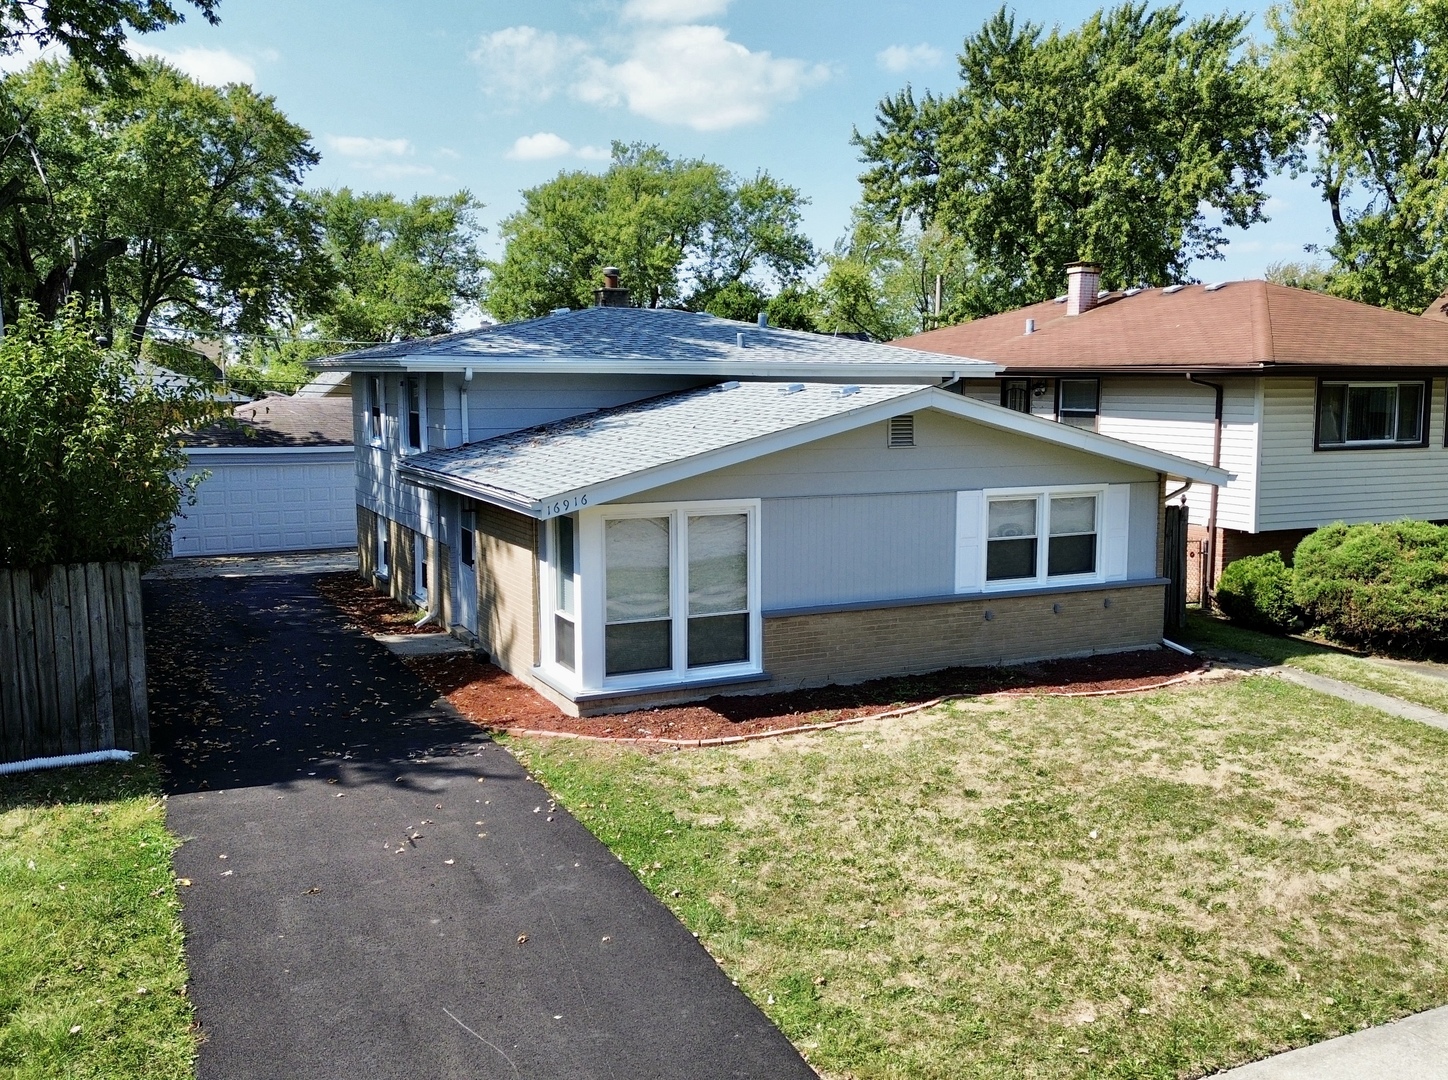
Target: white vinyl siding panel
1171 414
1303 488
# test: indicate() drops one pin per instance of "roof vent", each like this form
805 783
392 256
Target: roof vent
791 388
902 431
560 311
846 391
764 318
1059 300
1172 289
734 385
1134 290
1030 326
1215 286
739 340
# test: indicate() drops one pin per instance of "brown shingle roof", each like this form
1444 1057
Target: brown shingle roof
1243 324
279 421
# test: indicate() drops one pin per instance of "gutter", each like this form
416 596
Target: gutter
897 373
1208 581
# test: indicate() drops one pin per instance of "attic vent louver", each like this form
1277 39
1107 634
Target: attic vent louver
849 391
902 431
1214 286
791 388
1172 289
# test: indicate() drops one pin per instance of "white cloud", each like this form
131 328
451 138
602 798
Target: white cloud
673 11
525 63
695 75
448 152
545 145
362 146
898 58
215 67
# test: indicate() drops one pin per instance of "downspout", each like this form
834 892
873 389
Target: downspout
1211 559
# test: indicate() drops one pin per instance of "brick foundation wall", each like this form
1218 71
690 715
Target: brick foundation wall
506 559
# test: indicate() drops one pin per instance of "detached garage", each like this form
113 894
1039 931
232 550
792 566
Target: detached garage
281 478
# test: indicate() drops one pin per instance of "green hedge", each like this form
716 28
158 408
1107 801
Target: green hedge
1257 592
1383 587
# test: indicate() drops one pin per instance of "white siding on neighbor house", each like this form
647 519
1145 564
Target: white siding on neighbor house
1303 488
497 404
847 519
989 391
1171 414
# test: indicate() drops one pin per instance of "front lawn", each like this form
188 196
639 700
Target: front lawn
1152 886
1209 632
92 978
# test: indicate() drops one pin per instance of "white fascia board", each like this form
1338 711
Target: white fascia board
997 416
894 371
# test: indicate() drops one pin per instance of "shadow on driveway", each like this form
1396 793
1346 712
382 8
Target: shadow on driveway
379 891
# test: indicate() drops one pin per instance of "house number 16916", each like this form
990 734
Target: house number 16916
565 506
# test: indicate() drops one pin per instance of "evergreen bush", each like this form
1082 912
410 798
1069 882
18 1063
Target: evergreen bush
1257 591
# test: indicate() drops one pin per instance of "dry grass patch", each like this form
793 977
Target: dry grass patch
1156 886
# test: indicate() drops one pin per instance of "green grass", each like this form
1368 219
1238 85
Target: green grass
89 933
1205 631
1154 886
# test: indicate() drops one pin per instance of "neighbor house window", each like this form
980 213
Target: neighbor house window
1370 414
374 410
416 413
680 592
384 548
1026 534
1016 394
1077 402
565 592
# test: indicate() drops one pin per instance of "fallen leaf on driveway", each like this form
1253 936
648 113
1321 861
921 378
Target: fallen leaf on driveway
447 862
522 939
313 891
184 882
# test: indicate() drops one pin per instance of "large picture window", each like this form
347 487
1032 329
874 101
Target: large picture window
638 623
1370 414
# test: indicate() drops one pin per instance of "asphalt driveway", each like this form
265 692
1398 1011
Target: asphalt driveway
378 892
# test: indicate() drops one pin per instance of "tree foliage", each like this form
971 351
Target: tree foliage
1133 140
92 32
682 231
172 198
1369 79
87 451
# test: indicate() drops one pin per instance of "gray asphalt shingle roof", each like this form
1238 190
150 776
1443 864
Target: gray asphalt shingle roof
643 338
539 464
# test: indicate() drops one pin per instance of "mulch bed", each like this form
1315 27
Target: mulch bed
494 699
368 610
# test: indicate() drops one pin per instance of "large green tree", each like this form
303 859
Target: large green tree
683 232
1369 79
172 199
1132 140
92 32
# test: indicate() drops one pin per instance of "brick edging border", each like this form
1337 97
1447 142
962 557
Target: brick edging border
728 740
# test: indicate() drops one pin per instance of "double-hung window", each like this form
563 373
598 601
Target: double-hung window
1042 538
563 587
1368 415
419 567
416 406
1078 401
384 548
374 410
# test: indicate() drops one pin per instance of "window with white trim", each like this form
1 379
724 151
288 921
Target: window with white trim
1035 538
1078 401
419 567
415 403
374 410
1370 414
384 548
564 591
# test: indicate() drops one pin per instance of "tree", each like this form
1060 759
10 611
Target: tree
1369 81
1133 140
173 198
93 32
402 269
87 452
680 230
1299 275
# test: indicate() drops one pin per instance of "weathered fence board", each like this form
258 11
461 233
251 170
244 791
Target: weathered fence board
72 661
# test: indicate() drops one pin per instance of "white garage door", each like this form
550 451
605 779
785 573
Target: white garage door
269 500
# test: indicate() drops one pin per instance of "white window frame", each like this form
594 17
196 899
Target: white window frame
972 536
420 563
375 417
404 415
589 589
384 544
548 606
1425 405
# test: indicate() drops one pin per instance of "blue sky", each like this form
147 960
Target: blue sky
433 95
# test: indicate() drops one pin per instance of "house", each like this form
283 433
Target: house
279 475
627 507
1322 409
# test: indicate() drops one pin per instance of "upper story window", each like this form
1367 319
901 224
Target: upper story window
416 413
1354 415
1016 395
1077 402
374 409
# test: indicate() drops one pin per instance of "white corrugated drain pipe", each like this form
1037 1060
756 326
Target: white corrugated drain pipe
64 761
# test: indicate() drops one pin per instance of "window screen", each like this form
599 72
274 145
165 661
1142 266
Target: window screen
718 589
637 624
1072 548
1078 401
1370 414
1011 539
414 412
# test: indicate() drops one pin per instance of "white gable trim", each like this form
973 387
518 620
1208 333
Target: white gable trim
993 416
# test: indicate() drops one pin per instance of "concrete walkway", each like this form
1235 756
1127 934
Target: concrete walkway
379 892
277 564
1412 1049
1408 710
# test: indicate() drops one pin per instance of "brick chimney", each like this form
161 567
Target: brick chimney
1083 282
611 295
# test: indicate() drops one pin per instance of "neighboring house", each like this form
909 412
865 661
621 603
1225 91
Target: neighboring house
627 506
280 477
1322 409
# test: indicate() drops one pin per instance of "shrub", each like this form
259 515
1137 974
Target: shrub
1384 587
1257 592
87 450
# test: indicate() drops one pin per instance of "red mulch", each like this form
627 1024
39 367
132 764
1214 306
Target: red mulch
493 698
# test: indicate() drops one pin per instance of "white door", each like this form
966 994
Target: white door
465 573
269 500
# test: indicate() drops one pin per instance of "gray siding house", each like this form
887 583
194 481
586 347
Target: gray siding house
627 507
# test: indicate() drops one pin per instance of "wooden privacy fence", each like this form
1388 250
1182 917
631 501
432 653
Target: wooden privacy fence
72 661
